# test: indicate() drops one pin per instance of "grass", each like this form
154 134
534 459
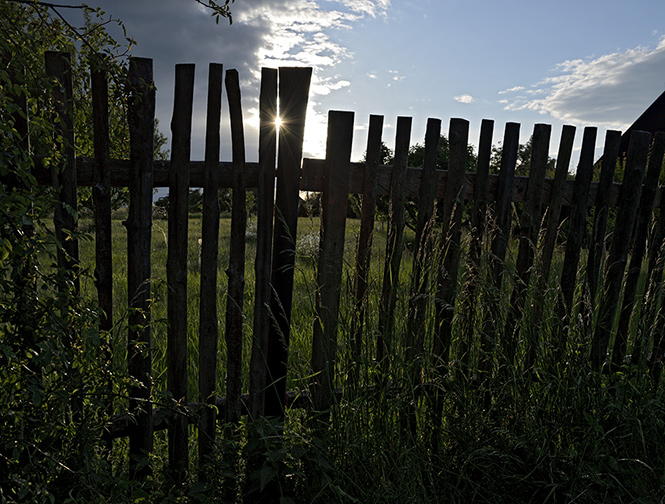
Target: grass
557 433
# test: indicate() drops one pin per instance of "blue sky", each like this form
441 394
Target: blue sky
584 62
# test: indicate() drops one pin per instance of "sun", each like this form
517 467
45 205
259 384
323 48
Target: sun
278 122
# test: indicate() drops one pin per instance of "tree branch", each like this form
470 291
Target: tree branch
51 5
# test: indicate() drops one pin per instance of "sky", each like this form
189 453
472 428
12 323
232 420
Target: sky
583 62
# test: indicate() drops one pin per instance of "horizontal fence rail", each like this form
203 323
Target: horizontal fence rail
311 179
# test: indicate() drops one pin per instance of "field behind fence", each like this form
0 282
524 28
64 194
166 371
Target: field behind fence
492 275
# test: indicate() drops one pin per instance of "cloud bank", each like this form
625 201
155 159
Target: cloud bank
264 33
611 90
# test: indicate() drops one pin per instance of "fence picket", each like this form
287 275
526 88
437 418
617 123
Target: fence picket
395 240
208 325
59 67
101 195
555 201
644 214
450 246
598 233
264 227
293 97
504 196
528 236
478 227
141 121
654 264
577 223
236 269
638 150
422 246
176 267
364 249
334 201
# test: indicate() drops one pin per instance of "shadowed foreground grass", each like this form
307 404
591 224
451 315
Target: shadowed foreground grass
557 432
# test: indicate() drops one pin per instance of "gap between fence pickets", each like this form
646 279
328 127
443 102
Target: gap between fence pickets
312 179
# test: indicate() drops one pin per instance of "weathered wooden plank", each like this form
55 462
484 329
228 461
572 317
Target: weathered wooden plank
654 290
334 201
577 222
644 218
293 96
656 242
264 227
395 240
312 179
101 196
528 236
423 246
365 234
176 266
504 197
555 202
478 221
638 150
59 67
141 121
598 233
236 269
208 325
499 232
450 246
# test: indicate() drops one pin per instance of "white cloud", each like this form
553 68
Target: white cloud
297 32
611 90
512 90
264 33
465 98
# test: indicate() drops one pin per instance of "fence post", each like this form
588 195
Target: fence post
529 226
176 269
576 225
395 240
236 269
334 201
555 201
478 218
422 248
363 253
450 246
552 215
598 234
654 266
59 66
101 195
502 212
209 330
500 234
264 227
293 95
644 217
638 150
141 120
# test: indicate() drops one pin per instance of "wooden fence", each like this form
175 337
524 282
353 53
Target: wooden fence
489 211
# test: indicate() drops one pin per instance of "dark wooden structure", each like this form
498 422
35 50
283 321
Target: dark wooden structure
439 256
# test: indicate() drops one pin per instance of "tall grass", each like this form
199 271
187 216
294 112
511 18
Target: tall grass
553 432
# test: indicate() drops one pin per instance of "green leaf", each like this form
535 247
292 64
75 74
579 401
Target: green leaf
267 475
